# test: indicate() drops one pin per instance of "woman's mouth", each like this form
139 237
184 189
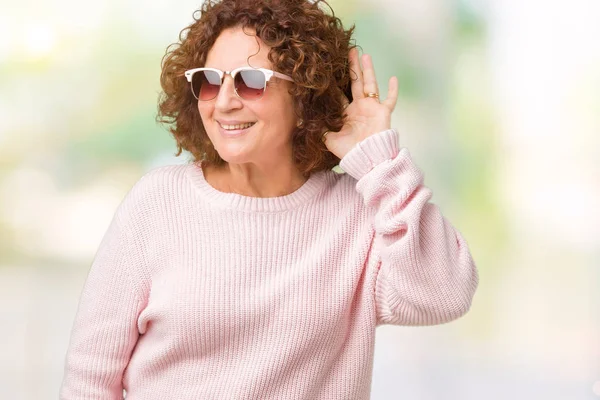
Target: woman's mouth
235 129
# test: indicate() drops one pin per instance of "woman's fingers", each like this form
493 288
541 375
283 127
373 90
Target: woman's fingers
392 95
356 75
369 79
364 80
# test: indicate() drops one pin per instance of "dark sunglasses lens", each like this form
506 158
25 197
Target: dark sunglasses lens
206 84
250 84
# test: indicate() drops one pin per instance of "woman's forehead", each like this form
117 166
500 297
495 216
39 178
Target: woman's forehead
237 47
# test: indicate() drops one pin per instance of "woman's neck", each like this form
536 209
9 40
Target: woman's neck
253 181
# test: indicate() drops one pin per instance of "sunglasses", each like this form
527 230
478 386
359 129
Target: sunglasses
249 83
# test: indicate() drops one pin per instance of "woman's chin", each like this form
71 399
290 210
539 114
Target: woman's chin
234 157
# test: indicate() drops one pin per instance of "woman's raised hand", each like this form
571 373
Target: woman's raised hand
367 114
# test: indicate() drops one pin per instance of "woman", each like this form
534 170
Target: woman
256 272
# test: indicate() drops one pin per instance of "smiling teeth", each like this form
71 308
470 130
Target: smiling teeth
234 127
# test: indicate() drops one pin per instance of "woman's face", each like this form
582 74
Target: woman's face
273 114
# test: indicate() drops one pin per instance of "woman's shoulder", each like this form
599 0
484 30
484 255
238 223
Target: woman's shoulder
156 188
165 175
341 184
162 180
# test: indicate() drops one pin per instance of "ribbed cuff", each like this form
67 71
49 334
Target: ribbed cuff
370 152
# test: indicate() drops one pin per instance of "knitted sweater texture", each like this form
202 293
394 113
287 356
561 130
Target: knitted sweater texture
199 294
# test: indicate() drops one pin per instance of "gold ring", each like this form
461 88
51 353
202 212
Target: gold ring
323 138
372 95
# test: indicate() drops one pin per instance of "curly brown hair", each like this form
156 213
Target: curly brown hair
306 42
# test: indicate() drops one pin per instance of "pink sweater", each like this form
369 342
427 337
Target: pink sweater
200 294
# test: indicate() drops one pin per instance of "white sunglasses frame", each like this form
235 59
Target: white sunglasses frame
268 75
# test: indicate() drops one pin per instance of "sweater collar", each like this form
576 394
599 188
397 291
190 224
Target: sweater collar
298 198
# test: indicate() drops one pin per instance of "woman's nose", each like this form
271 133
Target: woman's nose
227 98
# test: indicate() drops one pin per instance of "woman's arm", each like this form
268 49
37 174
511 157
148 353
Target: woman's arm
425 272
105 329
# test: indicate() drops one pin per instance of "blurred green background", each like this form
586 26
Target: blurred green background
499 104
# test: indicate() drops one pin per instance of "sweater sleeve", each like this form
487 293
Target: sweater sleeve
105 328
425 274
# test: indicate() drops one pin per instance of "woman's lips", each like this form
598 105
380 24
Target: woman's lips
234 132
238 128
